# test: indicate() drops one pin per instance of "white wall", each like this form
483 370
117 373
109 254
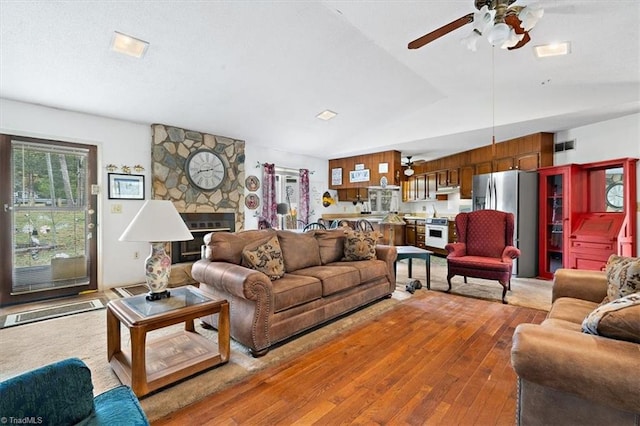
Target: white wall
127 143
318 179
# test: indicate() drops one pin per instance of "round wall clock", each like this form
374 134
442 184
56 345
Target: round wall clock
614 196
205 169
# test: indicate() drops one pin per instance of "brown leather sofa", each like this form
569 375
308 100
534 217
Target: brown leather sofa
567 377
317 285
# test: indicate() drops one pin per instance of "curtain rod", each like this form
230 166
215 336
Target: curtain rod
283 169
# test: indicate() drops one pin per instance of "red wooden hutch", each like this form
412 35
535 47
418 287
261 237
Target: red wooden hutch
587 212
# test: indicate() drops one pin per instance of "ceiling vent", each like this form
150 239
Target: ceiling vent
564 146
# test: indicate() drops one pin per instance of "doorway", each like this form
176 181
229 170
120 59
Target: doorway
49 243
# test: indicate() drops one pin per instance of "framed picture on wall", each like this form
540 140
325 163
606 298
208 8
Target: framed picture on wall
126 187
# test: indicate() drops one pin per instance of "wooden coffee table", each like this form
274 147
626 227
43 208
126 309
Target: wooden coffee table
410 252
167 359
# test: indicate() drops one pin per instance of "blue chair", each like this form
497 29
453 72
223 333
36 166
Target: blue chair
62 394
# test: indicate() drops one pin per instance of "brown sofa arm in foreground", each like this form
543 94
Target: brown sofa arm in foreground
594 379
579 284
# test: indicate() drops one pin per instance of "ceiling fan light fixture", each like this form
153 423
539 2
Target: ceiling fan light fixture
513 39
530 15
471 41
409 171
483 19
499 34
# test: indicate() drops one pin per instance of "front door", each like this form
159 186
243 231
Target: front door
47 219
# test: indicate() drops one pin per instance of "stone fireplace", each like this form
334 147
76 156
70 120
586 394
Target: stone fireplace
169 151
200 224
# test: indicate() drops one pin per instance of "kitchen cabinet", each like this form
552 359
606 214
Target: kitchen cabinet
410 232
370 162
420 234
466 181
447 178
355 195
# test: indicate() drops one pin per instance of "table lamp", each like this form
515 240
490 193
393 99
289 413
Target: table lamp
157 222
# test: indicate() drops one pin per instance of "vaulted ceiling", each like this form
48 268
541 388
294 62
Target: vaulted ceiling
261 71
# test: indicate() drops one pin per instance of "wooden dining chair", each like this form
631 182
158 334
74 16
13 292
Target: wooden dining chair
314 225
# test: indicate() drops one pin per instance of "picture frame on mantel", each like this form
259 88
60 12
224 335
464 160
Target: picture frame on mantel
125 186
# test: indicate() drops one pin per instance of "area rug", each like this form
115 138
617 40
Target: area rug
132 290
52 311
526 292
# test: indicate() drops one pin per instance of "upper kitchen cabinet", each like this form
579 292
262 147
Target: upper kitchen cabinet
379 169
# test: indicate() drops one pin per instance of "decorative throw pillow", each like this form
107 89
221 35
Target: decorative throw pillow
360 245
619 319
266 257
623 276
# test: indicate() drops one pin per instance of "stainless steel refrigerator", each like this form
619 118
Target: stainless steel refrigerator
516 192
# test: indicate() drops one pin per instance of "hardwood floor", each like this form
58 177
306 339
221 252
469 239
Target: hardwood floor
435 359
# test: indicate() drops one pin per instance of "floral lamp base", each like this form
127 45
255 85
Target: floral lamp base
158 269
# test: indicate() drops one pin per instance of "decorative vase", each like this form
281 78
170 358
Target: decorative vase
158 268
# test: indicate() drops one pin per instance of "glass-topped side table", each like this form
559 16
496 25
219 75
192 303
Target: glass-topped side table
167 359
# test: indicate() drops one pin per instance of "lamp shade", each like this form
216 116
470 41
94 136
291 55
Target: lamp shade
157 221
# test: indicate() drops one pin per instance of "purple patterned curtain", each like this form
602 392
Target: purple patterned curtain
304 195
269 204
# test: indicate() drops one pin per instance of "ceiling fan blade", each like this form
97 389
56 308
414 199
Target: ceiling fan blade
526 39
436 34
516 24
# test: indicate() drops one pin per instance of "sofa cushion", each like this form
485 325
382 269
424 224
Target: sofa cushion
265 256
299 249
618 319
623 276
227 246
331 244
293 290
570 309
334 278
360 245
368 269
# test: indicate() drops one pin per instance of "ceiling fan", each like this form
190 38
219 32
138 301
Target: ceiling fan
506 23
408 171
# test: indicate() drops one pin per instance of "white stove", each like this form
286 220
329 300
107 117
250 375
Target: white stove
436 232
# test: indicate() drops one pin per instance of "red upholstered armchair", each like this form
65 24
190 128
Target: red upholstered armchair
484 248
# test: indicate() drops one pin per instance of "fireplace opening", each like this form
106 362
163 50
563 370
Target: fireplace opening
200 224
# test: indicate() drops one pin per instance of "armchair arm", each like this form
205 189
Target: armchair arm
579 284
510 252
456 249
595 368
58 393
233 279
389 254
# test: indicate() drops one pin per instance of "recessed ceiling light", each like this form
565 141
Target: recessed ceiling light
553 49
326 115
128 45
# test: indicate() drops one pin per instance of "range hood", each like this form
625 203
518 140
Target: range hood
448 190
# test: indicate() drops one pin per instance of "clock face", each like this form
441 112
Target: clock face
615 197
205 170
